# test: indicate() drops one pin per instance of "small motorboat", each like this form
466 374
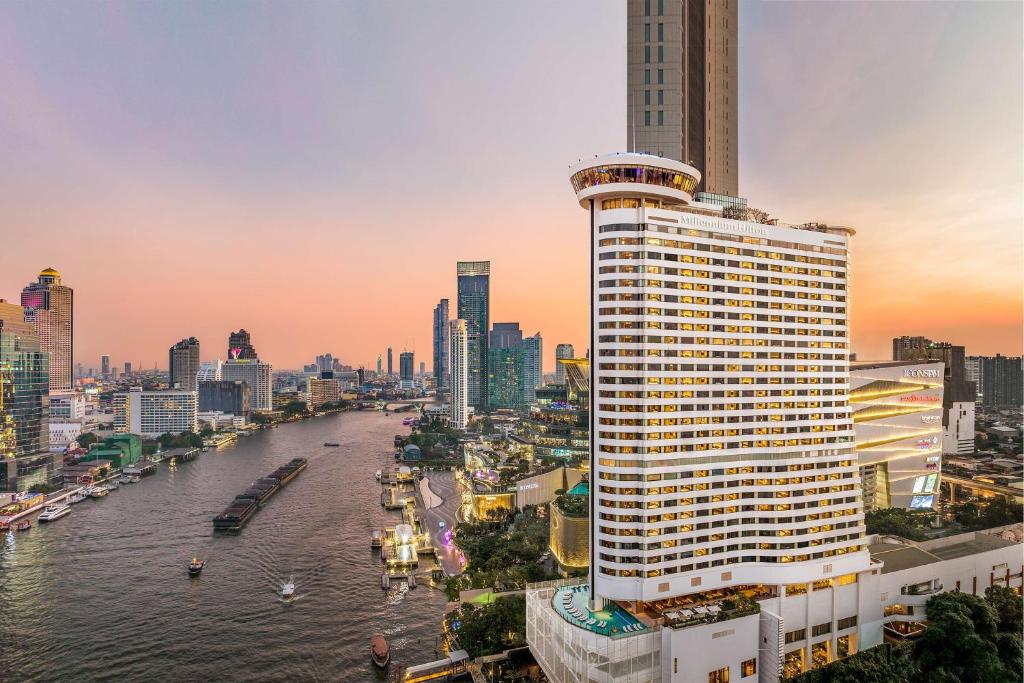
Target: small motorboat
98 492
23 525
126 479
379 651
112 485
377 475
5 525
331 444
53 512
76 497
288 590
196 566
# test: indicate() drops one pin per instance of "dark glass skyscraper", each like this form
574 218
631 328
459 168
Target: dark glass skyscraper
474 292
505 367
441 345
25 460
184 363
405 365
240 346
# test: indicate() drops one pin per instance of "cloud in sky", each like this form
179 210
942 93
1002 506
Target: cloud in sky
313 171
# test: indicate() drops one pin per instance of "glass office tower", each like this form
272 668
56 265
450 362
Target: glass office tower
474 292
25 460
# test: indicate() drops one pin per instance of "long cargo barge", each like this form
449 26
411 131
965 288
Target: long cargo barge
237 514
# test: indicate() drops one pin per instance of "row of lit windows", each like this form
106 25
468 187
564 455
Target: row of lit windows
621 268
729 250
713 433
777 343
840 369
721 550
604 380
700 407
717 419
691 313
725 341
764 523
658 354
761 559
715 472
666 506
668 543
744 239
646 284
718 446
725 263
703 300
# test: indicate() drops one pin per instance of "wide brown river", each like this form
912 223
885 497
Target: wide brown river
102 593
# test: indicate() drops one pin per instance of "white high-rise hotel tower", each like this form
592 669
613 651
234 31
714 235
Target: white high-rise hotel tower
723 442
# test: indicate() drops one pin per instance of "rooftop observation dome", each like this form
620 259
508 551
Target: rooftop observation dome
49 272
633 174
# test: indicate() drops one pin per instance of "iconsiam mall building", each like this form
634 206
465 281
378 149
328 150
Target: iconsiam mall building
727 521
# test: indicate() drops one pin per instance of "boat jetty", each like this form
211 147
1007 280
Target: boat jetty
245 504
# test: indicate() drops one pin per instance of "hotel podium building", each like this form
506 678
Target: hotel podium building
724 473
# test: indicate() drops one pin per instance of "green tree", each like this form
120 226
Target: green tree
87 439
960 641
883 664
490 629
1008 606
897 522
206 431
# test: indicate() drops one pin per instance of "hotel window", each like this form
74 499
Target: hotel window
661 54
647 54
647 33
661 32
661 97
661 7
661 118
848 622
647 98
647 76
661 76
719 676
748 668
647 8
647 118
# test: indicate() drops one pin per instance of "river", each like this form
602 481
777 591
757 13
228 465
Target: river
102 593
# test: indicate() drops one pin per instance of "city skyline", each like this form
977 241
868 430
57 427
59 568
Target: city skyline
913 99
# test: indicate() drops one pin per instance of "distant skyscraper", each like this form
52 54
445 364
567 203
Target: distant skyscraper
240 346
423 369
1001 381
379 365
209 371
405 367
104 366
257 375
441 345
127 367
183 360
25 460
49 307
505 367
458 355
681 83
391 362
474 303
562 351
533 367
225 396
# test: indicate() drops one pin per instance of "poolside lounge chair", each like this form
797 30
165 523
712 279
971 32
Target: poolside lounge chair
714 609
591 621
602 624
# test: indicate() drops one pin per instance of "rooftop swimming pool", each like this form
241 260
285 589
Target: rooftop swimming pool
610 621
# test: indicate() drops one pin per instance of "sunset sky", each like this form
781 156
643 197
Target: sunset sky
313 171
